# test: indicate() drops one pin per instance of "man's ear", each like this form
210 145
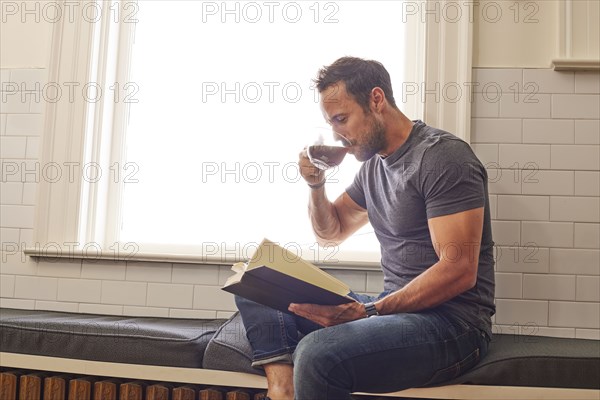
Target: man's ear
377 99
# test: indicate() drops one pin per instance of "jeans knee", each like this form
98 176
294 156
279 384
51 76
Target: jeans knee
311 354
317 372
248 306
240 301
307 365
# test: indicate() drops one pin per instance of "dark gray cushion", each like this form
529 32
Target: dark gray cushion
512 360
229 349
135 340
515 360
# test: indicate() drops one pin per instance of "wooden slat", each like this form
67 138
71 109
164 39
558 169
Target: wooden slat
105 390
30 387
237 395
184 393
157 392
260 396
8 385
210 394
131 391
80 389
55 388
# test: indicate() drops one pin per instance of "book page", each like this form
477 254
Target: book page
276 257
239 269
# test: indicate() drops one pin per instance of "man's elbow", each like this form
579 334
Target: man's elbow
328 242
468 278
333 237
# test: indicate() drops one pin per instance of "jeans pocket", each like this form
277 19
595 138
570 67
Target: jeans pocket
455 369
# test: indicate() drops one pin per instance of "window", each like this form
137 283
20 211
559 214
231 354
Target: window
210 104
226 102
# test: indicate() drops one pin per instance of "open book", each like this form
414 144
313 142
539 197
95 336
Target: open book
276 277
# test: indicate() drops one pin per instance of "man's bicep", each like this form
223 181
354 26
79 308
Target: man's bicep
457 237
352 217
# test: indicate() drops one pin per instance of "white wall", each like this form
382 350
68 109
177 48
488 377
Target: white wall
558 215
25 33
530 34
515 34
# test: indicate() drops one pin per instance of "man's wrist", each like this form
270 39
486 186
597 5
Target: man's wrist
370 309
316 185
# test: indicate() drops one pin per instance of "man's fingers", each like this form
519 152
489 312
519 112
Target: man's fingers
309 172
303 310
299 308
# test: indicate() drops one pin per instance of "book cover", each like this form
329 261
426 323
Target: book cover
276 277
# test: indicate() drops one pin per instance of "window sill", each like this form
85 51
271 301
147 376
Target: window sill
565 64
226 260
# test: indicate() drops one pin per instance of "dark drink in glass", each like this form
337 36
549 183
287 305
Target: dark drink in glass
325 157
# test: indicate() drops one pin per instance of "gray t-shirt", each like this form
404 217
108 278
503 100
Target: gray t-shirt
433 173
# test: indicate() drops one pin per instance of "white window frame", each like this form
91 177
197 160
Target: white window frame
70 215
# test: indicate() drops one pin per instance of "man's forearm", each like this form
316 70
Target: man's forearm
323 217
433 287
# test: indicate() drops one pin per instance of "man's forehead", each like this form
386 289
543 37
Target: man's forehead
335 99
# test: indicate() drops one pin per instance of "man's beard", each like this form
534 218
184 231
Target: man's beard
374 141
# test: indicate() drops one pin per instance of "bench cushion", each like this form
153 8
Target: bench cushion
516 360
134 340
229 349
512 360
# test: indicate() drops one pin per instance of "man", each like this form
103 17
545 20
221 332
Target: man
425 194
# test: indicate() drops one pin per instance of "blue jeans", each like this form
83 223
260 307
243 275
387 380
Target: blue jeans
380 354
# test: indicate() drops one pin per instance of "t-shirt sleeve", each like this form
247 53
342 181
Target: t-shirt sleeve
452 179
356 190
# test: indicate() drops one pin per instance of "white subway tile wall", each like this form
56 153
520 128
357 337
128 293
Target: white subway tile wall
90 308
587 236
225 314
2 124
506 232
509 285
587 82
146 311
60 268
548 81
587 183
35 287
593 334
576 106
547 185
493 130
148 272
588 288
587 131
544 131
527 259
126 293
536 130
61 306
173 295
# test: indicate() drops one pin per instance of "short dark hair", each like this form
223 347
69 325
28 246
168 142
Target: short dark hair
360 77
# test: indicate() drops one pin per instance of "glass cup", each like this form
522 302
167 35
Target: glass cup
324 156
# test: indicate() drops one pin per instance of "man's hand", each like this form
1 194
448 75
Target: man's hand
311 174
329 315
